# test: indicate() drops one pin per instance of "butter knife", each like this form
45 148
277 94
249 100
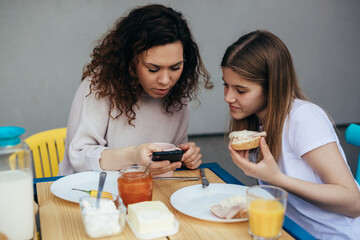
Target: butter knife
204 181
178 178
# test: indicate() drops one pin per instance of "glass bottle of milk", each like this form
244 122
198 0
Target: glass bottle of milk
16 185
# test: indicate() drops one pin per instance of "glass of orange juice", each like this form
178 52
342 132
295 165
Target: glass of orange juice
135 185
266 210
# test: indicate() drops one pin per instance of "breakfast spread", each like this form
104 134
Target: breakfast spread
104 221
150 217
231 207
135 184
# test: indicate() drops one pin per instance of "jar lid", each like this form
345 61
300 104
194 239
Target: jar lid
10 136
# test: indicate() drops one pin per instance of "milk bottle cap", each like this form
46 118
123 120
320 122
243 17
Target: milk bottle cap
10 135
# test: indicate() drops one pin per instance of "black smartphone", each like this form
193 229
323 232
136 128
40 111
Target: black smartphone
172 156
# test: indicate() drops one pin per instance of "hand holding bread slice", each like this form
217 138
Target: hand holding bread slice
244 140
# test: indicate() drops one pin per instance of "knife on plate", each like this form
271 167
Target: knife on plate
204 181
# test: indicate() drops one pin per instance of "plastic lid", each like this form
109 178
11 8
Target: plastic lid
10 136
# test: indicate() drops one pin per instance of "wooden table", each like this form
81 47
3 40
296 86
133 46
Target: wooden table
60 219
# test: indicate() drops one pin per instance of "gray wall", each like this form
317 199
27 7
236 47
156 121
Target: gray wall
45 43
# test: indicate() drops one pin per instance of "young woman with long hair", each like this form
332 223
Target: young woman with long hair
301 152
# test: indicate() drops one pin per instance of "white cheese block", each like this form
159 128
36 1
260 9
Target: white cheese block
150 217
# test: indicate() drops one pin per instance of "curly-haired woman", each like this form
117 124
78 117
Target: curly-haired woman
135 92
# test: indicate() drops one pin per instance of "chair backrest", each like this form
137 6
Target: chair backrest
47 149
352 136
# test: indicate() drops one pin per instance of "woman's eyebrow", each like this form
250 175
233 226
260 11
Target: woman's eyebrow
178 63
157 66
237 86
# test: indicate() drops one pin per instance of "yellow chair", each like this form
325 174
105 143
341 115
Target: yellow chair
47 149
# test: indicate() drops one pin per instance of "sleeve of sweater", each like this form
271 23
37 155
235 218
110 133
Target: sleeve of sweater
87 126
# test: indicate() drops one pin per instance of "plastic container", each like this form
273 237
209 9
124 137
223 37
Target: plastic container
107 220
16 185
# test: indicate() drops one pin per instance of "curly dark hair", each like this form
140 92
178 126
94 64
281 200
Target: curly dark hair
114 59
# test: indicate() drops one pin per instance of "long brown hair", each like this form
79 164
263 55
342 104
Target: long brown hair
262 57
113 63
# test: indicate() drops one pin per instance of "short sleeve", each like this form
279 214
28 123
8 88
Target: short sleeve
310 128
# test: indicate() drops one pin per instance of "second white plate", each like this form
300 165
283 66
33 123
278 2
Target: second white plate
196 201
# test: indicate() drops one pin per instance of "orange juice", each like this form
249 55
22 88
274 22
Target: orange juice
266 217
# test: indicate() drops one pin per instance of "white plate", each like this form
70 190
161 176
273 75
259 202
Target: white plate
62 187
169 232
196 201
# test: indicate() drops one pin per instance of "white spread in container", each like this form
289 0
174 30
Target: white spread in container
102 221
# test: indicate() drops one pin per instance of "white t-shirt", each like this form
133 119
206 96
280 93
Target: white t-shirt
90 130
306 128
